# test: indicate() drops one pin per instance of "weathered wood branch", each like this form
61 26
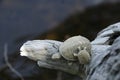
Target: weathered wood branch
105 59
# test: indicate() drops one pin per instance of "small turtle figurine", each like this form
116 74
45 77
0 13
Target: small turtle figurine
75 48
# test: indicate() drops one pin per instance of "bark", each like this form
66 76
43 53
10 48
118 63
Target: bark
105 59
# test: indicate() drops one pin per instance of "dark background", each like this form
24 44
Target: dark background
23 20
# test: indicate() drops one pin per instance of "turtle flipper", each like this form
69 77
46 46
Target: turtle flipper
56 56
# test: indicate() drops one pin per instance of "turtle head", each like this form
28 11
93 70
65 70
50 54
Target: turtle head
83 56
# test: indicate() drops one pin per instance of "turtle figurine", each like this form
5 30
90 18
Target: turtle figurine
75 48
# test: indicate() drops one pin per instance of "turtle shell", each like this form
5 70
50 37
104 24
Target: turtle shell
72 45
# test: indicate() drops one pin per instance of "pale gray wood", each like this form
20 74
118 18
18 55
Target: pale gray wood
105 59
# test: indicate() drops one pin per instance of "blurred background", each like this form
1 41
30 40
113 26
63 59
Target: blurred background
23 20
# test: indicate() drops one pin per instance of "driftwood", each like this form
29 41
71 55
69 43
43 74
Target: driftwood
105 59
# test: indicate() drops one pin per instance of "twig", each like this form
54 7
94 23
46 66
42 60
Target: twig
8 63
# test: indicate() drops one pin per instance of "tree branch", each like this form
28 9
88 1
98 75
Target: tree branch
104 64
